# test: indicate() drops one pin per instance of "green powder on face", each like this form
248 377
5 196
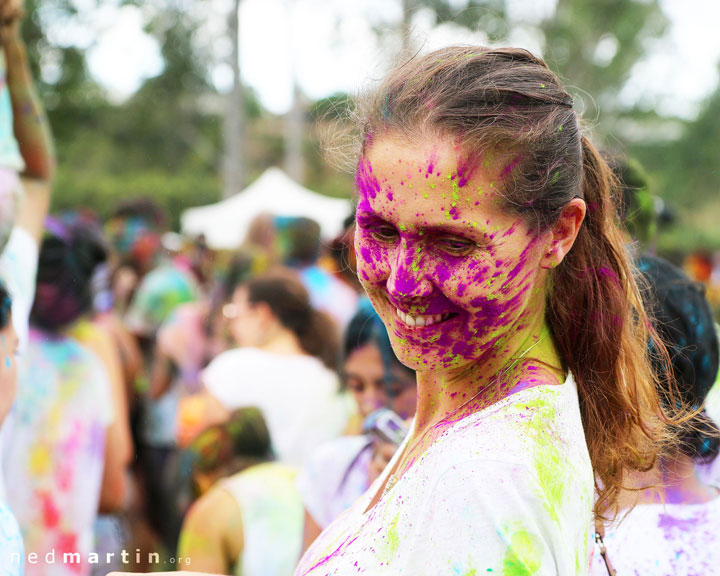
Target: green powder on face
523 555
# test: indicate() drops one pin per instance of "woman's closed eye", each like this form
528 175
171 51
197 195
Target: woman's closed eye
384 233
455 246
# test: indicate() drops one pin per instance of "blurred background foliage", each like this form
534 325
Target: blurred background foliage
166 141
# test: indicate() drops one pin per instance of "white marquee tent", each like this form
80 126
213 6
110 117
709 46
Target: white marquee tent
225 224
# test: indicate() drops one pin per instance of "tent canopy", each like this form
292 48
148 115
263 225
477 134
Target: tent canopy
226 223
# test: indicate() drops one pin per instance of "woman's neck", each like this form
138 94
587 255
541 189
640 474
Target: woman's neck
283 342
452 393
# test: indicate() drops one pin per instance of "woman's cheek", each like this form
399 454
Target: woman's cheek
372 260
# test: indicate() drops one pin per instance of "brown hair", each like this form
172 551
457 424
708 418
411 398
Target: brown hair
290 302
507 100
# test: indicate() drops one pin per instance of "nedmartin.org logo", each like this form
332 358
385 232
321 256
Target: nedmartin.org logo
53 557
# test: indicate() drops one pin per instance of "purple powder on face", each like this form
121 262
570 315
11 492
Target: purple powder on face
465 169
366 183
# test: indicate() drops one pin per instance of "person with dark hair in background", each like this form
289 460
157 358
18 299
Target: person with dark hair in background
340 470
192 336
283 364
672 527
12 550
61 456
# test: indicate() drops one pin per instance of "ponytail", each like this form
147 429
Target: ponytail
319 337
607 352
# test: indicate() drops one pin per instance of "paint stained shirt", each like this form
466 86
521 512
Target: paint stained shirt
507 490
55 452
665 540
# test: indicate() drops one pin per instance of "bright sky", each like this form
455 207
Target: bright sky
332 47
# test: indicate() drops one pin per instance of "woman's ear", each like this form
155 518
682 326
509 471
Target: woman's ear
562 235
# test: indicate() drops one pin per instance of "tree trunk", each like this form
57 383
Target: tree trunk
294 163
234 122
407 12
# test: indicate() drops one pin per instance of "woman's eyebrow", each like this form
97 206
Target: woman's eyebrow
452 228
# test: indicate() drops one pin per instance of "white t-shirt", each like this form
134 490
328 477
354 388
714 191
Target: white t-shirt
664 540
297 395
335 476
506 490
18 269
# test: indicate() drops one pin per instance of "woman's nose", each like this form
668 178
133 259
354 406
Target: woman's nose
408 274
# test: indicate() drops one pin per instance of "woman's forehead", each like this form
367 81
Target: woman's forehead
430 183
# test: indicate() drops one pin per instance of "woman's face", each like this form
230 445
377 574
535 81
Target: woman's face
8 368
247 322
364 374
450 271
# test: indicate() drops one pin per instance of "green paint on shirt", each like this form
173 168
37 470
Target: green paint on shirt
522 558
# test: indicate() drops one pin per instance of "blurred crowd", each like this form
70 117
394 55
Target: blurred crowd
177 405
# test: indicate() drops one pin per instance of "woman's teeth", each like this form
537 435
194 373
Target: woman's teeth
414 321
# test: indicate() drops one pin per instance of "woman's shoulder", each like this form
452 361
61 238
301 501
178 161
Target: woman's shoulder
533 414
534 436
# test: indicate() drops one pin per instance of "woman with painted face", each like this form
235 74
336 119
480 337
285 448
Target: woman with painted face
487 244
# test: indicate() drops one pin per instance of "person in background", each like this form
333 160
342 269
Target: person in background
191 337
135 231
186 342
99 334
248 517
672 528
12 550
283 364
64 460
341 470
